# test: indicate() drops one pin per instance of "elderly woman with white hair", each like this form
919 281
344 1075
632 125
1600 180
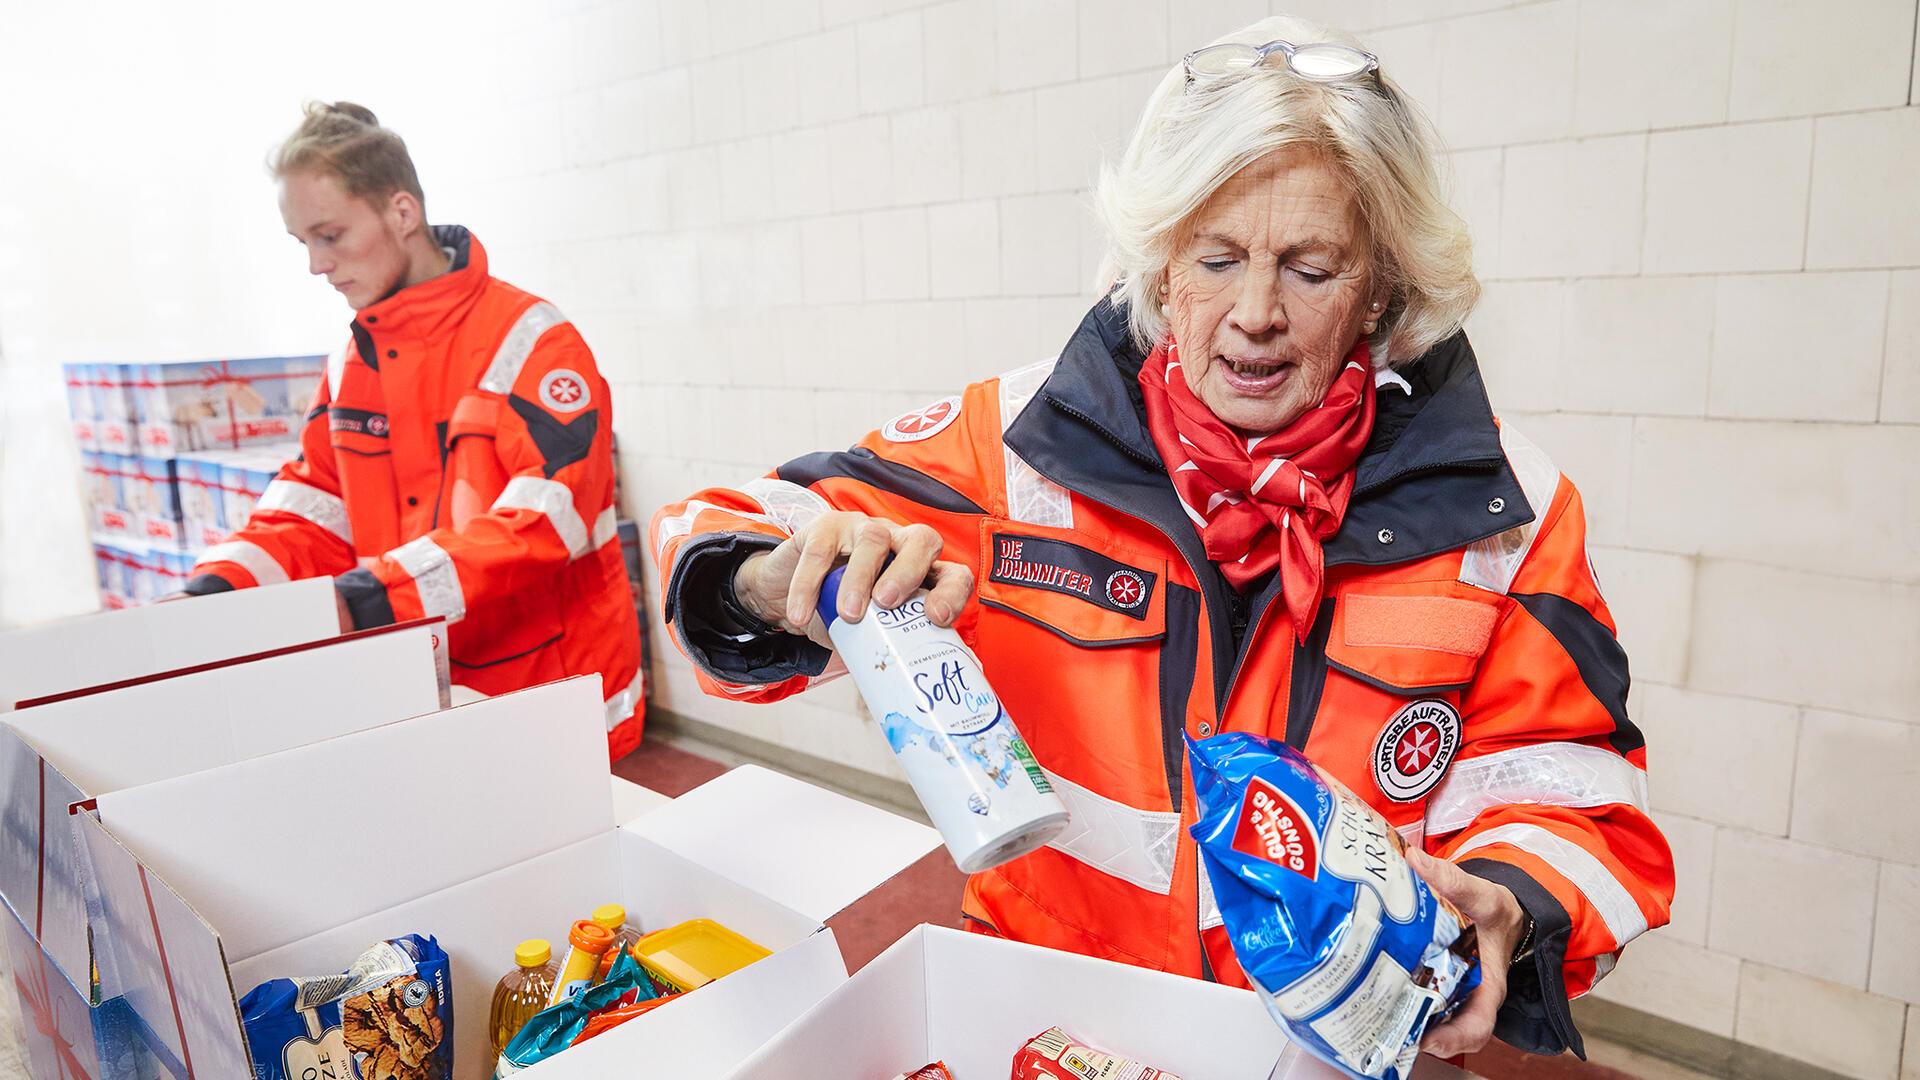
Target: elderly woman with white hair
1261 489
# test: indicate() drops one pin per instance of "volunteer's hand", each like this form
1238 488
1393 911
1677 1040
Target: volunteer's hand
1498 922
340 608
781 586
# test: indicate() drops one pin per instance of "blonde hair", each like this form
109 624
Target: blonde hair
346 141
1190 141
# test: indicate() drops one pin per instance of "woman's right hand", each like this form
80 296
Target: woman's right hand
782 586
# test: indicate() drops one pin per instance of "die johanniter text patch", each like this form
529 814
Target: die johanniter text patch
1070 569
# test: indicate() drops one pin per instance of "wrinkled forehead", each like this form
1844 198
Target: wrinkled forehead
1289 199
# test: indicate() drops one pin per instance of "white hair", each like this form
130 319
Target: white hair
1190 141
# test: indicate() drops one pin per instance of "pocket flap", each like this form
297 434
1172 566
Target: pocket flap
1411 642
1085 596
474 414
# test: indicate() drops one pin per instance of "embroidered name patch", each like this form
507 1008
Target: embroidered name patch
357 421
1058 566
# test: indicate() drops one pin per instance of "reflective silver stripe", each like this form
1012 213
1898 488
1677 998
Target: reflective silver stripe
606 528
1493 562
787 504
552 498
1603 966
336 370
249 556
1548 774
434 576
1031 498
1209 907
1610 899
681 524
309 502
1131 844
620 706
514 349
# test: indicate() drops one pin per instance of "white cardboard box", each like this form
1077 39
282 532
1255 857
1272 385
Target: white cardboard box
482 825
70 750
92 650
973 1001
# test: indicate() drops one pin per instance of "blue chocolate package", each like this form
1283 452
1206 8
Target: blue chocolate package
1350 950
388 1017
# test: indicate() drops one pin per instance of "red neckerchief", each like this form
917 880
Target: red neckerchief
1268 501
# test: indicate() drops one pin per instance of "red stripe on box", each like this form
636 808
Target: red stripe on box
40 889
166 970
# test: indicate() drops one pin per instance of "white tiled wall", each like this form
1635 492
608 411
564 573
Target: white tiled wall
781 221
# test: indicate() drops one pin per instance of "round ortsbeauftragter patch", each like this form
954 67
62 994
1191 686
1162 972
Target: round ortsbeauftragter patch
564 391
1415 748
922 423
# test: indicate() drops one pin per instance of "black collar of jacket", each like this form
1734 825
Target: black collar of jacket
1432 477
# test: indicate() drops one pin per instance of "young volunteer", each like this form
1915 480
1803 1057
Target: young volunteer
457 460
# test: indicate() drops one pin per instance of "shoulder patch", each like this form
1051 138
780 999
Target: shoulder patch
923 423
564 391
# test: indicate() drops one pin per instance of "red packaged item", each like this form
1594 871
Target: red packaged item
935 1071
1054 1055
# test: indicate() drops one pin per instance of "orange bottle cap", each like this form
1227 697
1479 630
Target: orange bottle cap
591 936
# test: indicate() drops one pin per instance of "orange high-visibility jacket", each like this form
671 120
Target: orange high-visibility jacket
458 461
1462 672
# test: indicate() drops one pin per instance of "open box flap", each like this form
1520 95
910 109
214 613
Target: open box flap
41 867
59 656
164 958
873 1025
808 848
1149 1016
166 727
330 832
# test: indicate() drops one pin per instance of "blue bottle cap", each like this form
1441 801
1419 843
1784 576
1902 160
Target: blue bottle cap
829 603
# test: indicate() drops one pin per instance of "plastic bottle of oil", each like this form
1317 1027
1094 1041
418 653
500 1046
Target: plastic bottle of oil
625 934
522 992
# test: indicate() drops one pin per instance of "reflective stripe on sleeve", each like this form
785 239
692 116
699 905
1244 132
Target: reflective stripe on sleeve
1129 843
518 345
1546 774
1610 899
434 576
620 706
681 524
606 529
552 498
306 501
787 504
249 556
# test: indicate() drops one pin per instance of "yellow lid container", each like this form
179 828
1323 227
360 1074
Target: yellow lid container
533 952
694 953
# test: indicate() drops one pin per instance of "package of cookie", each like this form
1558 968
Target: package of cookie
388 1017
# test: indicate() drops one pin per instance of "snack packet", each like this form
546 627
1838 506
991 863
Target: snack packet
1054 1055
555 1028
1350 950
934 1071
388 1017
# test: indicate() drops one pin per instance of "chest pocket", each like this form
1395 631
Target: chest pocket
1411 640
1085 597
1399 657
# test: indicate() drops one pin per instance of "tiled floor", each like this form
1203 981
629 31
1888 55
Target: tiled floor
929 891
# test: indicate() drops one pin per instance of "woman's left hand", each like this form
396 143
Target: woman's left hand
1498 923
